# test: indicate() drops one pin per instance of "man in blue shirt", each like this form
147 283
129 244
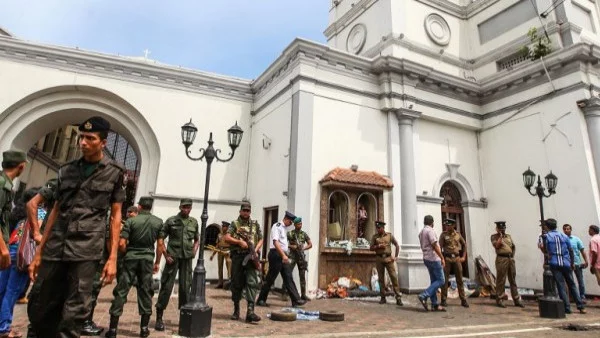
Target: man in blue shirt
557 247
578 253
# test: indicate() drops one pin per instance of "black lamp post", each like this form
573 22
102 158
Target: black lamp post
550 306
196 316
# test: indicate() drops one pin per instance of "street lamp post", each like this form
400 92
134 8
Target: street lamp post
196 316
550 306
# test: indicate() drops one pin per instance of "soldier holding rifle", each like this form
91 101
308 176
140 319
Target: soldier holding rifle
298 243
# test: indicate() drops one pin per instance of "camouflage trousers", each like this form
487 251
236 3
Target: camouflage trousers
167 281
243 278
139 270
302 276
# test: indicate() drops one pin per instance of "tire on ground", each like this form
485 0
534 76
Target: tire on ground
283 316
331 316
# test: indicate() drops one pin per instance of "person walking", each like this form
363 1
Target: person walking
435 263
74 237
557 247
138 236
279 263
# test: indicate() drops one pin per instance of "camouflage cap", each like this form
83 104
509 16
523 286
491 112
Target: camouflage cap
14 156
185 201
94 124
246 206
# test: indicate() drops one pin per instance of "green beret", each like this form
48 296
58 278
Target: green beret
297 220
449 221
246 206
95 124
379 224
14 156
185 201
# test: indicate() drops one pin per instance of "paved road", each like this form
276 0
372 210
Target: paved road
363 318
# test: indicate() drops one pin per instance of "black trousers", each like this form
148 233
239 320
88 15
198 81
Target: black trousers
61 298
276 267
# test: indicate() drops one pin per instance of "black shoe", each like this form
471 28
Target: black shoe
111 333
399 302
91 329
144 331
262 303
519 304
236 311
159 326
423 301
304 297
219 286
252 317
464 303
382 300
443 303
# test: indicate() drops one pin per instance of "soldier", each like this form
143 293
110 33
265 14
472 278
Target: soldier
132 211
381 243
452 244
505 264
13 164
137 241
223 257
182 231
74 238
244 235
299 242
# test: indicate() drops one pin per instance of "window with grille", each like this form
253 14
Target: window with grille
509 62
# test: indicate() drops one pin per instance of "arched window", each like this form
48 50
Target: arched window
212 234
338 214
366 206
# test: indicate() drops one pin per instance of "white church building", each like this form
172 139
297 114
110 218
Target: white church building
413 107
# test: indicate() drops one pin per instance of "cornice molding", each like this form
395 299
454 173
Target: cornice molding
357 9
429 199
121 68
590 107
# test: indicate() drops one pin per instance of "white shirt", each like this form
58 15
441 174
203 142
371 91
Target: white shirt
279 233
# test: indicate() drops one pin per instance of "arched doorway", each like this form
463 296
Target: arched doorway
27 121
452 208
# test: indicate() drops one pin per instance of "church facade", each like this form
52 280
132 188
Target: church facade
413 107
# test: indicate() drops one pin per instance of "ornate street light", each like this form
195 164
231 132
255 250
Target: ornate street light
550 306
196 316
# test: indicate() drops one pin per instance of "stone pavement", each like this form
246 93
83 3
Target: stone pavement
363 318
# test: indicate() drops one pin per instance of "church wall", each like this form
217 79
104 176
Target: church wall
165 110
511 147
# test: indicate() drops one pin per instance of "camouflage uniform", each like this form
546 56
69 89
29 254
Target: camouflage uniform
6 199
243 277
299 238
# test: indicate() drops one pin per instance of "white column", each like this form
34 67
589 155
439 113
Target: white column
412 273
591 110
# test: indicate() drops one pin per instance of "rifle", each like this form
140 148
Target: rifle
217 250
299 255
251 256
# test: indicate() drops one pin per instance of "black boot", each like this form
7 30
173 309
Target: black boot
31 332
159 326
236 311
114 325
144 331
304 297
90 328
250 315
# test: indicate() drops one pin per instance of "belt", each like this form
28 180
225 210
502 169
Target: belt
505 255
384 255
449 255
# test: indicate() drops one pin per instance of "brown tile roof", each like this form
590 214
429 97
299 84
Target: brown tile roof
349 176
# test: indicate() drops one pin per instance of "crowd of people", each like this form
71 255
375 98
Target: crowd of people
83 244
